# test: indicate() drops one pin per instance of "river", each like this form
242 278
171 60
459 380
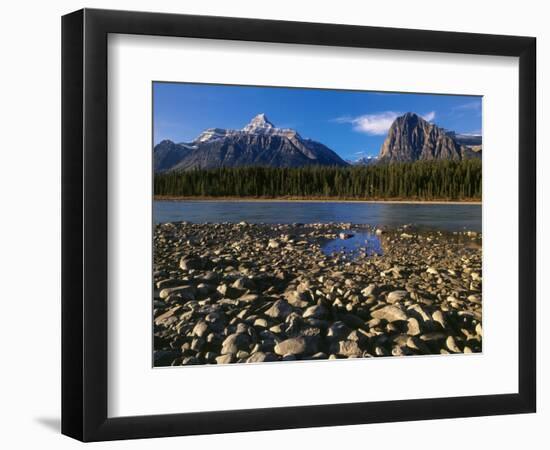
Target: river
448 217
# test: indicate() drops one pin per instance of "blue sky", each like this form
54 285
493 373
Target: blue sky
351 123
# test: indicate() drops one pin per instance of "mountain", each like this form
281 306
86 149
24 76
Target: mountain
259 143
365 161
411 138
470 140
167 154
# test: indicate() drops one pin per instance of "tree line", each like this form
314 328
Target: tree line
421 180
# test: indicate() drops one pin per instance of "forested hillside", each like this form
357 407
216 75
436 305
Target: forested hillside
422 180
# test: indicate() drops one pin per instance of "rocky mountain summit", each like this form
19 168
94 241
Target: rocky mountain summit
411 138
259 143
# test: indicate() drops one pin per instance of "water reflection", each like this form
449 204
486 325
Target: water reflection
361 242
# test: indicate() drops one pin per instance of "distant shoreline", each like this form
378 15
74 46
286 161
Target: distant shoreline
313 200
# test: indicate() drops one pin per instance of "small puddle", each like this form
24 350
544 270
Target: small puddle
360 243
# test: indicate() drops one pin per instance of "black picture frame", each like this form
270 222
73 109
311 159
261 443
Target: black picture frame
84 224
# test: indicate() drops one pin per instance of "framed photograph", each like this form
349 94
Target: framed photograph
273 224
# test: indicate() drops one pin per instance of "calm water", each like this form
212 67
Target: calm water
442 217
360 242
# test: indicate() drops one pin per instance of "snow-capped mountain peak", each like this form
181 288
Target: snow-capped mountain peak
210 134
260 122
259 143
259 125
364 161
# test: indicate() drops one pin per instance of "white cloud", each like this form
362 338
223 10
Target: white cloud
374 124
473 105
429 116
379 123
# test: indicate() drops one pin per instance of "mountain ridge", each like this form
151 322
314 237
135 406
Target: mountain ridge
260 143
412 138
257 143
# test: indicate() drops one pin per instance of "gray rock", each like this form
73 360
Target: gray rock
437 317
276 329
397 296
261 357
230 291
210 277
479 330
434 336
474 298
337 330
296 346
369 290
242 328
273 244
185 292
359 335
413 327
260 322
345 235
374 323
235 342
197 344
316 312
165 317
225 359
279 310
169 282
243 283
210 357
397 351
310 331
241 354
294 324
216 318
347 348
420 312
389 313
417 344
249 298
300 299
451 345
200 329
190 361
188 263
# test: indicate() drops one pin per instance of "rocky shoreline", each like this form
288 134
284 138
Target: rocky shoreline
244 293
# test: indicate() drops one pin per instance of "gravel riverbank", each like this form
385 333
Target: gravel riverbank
228 293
